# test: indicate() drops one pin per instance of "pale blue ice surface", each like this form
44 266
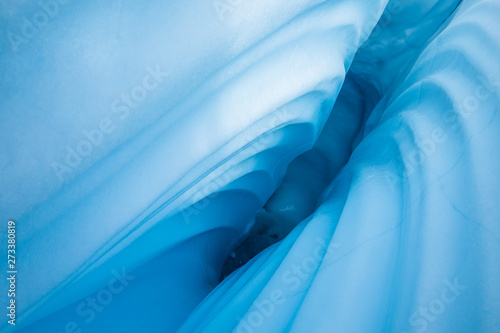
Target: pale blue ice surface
356 141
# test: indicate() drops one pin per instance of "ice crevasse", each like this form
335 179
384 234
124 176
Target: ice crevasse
352 144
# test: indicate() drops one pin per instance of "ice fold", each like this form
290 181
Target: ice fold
406 236
366 129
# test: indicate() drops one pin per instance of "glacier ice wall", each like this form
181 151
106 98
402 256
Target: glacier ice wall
406 237
142 144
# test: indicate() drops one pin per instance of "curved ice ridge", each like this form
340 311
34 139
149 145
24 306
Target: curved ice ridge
392 202
406 238
130 204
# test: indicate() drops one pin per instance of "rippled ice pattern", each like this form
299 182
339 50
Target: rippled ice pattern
251 166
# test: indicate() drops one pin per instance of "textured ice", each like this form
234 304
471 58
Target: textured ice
352 144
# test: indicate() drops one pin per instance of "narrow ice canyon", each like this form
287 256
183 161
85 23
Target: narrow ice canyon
250 166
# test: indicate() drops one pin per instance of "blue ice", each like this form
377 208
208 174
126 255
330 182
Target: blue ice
251 166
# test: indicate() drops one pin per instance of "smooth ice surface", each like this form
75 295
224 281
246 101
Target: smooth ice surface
354 142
